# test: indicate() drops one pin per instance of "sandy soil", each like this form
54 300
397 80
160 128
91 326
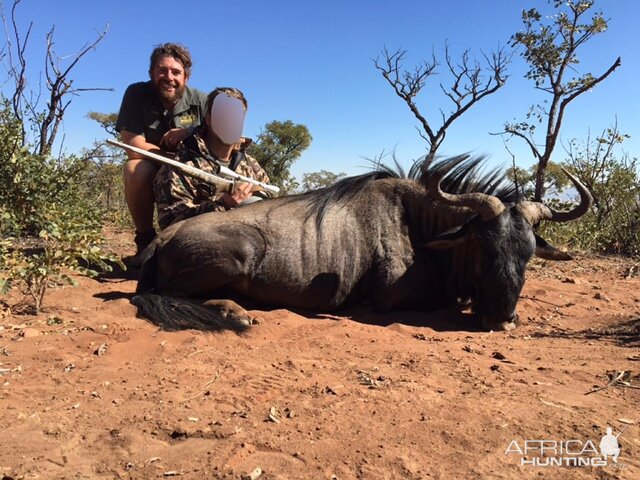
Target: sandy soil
87 390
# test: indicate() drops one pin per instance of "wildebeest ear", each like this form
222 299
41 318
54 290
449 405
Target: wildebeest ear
449 239
549 252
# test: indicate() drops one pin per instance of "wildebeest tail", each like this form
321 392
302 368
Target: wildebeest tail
180 314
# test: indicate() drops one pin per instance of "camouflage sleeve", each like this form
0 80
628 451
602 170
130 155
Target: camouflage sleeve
251 168
179 196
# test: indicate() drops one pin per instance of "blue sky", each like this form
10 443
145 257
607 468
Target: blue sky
311 62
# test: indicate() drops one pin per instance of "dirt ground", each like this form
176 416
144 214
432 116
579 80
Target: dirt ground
88 390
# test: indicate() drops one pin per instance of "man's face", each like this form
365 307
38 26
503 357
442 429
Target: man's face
168 79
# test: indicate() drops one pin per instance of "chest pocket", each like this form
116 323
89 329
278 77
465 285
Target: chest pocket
188 119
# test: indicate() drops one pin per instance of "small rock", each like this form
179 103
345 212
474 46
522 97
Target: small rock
30 332
254 475
274 414
101 350
498 356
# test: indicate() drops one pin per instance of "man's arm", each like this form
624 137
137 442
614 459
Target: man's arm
138 140
173 137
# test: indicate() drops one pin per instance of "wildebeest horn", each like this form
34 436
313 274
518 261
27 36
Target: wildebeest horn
534 212
487 206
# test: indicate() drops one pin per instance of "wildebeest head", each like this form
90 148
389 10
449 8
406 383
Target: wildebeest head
495 245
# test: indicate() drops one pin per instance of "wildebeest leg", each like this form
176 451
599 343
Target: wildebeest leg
196 261
500 325
230 311
180 313
408 288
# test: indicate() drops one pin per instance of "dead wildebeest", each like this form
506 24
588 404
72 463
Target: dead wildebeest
400 243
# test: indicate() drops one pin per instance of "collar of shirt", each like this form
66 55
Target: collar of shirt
204 151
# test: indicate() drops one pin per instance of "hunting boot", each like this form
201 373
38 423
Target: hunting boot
142 241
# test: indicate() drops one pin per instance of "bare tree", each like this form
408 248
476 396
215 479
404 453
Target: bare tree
550 51
61 90
471 82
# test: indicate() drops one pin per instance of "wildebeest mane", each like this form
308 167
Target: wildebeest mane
339 193
466 174
462 174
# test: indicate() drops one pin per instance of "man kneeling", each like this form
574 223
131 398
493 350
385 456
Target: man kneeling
218 142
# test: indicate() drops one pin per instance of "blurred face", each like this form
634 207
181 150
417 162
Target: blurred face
226 118
168 80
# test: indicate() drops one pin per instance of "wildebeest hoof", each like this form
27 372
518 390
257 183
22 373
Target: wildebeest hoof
497 326
230 313
506 326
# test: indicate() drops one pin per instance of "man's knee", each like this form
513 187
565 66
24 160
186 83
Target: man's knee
139 173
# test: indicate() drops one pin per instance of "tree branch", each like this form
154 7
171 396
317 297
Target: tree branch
467 88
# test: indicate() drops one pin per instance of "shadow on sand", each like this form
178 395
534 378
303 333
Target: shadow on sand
625 333
447 320
118 273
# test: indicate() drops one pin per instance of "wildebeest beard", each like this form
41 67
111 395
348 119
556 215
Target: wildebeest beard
441 236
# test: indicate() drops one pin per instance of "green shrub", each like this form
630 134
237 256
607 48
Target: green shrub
50 223
613 224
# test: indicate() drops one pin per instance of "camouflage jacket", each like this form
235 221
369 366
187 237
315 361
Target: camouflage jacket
179 196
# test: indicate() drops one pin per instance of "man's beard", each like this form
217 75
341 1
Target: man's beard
169 97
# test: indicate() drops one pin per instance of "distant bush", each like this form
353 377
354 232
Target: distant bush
613 224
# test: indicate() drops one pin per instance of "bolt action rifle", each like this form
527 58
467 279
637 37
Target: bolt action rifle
224 179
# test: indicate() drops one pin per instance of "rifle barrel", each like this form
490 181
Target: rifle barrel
227 172
196 172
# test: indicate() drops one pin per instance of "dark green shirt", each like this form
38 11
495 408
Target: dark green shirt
142 113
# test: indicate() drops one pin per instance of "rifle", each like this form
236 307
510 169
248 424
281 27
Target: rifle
224 181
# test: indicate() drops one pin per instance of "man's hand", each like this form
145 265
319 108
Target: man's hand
241 192
173 137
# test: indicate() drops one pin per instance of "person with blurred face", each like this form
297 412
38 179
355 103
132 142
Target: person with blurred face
156 116
218 142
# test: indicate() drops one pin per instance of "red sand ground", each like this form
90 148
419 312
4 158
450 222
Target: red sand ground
87 390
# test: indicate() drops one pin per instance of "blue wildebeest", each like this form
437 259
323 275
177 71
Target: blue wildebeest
447 235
